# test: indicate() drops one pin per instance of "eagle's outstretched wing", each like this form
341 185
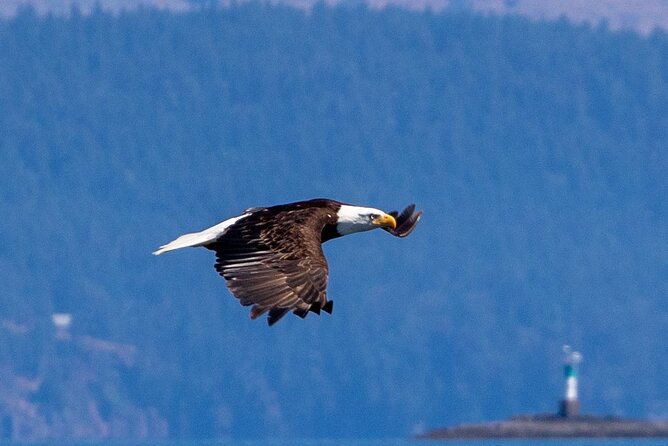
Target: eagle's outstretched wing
274 264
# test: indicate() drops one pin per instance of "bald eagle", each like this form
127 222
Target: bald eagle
272 259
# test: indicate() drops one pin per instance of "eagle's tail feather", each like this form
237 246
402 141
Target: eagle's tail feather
187 240
200 238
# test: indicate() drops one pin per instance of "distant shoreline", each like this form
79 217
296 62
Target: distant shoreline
554 426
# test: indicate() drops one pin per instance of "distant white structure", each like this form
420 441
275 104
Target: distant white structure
570 405
61 321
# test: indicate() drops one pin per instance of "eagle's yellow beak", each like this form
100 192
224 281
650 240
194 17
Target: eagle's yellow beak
385 221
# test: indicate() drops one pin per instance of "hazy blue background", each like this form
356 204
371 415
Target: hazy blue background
536 149
360 442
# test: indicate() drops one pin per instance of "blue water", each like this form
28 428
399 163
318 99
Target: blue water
354 442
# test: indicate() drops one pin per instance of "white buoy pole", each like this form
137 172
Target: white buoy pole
570 406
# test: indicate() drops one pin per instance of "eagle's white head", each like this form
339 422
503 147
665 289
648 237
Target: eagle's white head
352 219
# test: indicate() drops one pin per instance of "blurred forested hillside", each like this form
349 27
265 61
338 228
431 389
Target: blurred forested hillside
537 151
641 17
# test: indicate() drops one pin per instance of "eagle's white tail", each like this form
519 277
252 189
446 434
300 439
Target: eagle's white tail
199 238
186 240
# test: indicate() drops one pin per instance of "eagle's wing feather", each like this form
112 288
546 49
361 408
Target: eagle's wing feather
274 264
